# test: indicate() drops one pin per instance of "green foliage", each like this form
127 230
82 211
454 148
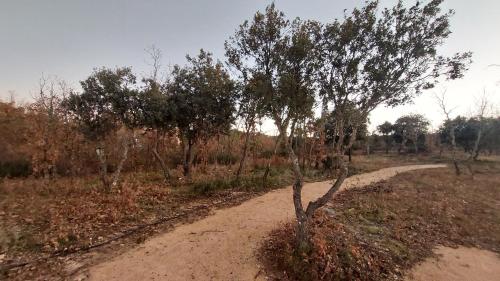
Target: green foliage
156 108
410 128
278 58
371 58
107 101
202 97
385 128
466 131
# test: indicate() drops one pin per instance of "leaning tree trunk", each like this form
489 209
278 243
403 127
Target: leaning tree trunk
245 151
164 168
103 166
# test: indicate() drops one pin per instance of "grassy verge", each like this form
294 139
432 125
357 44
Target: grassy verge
380 231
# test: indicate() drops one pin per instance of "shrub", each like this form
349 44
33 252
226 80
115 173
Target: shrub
14 169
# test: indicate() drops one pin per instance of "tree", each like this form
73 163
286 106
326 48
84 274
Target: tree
482 108
410 128
362 61
451 129
367 61
351 120
107 103
202 98
156 108
386 130
491 138
256 50
284 55
251 104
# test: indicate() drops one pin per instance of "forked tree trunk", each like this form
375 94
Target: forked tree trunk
245 151
103 166
304 216
164 168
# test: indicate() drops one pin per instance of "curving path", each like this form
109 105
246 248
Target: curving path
222 246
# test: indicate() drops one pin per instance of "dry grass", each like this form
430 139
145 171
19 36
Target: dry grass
380 231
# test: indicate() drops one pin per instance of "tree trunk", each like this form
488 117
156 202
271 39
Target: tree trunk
309 157
303 233
402 145
268 166
453 151
476 155
164 168
244 154
350 154
304 217
475 150
116 175
188 148
103 166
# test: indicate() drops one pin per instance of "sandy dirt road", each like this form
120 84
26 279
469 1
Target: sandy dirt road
221 246
468 264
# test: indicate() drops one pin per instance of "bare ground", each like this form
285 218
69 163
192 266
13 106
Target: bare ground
221 246
462 263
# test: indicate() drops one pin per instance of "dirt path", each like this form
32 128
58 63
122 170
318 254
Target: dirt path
221 246
463 263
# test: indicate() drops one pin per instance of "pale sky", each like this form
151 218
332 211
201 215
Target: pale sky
68 38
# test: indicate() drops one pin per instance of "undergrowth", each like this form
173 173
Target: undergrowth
380 231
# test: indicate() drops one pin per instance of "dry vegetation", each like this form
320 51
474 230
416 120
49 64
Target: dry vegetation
45 218
380 231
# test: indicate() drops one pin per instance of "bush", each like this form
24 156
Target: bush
223 158
209 187
15 169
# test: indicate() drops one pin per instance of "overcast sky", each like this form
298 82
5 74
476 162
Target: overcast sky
69 38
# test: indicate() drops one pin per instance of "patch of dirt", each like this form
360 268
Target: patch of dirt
221 246
462 263
381 231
